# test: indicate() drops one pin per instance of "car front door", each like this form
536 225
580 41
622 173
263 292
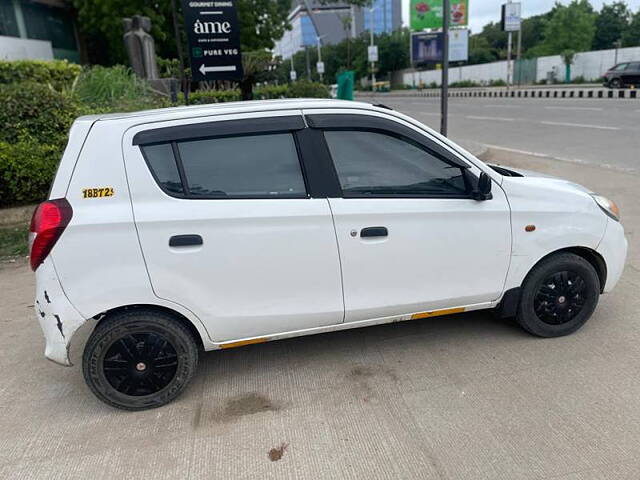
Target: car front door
227 227
411 237
632 74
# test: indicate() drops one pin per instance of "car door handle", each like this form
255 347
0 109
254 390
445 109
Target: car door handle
374 232
185 240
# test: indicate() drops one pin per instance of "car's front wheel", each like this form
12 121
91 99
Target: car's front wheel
615 83
139 359
558 296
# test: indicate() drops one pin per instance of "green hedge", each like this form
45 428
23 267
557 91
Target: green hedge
35 110
34 121
60 74
26 171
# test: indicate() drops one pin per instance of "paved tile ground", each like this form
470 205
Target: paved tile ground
461 397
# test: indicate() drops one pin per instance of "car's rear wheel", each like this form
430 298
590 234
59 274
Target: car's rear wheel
139 359
615 83
558 296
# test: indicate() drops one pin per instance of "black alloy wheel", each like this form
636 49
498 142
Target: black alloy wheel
139 358
140 363
558 295
560 298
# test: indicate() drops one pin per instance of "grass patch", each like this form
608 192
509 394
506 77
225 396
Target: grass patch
14 241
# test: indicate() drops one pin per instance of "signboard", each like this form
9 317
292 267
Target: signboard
320 67
373 53
293 75
214 39
428 14
459 45
511 17
427 47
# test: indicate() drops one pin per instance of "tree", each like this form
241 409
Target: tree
611 23
631 36
571 27
100 24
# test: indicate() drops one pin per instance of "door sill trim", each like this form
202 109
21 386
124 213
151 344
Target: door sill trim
348 325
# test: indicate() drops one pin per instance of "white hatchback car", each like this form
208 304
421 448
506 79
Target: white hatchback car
211 227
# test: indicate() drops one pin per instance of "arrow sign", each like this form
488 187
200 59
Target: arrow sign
222 68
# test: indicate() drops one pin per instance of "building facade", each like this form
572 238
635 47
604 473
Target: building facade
37 29
336 22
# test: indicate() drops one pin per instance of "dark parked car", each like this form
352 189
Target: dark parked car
622 75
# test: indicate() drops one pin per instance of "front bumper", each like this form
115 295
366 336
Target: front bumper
613 248
58 319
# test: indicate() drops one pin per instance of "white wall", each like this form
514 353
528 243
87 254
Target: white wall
14 48
590 65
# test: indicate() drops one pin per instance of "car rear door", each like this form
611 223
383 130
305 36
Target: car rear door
227 227
411 238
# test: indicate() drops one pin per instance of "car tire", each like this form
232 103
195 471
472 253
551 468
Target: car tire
558 296
615 83
139 359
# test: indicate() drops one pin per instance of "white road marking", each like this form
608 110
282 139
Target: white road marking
596 109
500 119
562 159
579 125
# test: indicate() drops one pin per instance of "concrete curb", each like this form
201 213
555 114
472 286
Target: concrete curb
533 92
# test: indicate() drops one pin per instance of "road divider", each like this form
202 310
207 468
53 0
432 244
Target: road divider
520 92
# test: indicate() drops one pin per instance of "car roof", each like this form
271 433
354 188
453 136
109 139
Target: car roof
228 108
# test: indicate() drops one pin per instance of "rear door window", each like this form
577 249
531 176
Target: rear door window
247 166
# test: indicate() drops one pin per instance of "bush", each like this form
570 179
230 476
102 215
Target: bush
306 89
271 91
497 83
34 110
203 97
464 84
60 74
26 170
114 89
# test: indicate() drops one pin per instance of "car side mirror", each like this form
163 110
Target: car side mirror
483 188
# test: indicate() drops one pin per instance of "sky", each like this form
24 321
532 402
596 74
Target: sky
482 12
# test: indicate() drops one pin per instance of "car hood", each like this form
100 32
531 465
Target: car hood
543 177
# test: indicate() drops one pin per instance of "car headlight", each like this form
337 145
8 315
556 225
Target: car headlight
607 206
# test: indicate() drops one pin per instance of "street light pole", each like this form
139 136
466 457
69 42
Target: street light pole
373 74
318 39
444 94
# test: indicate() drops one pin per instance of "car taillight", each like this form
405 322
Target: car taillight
47 224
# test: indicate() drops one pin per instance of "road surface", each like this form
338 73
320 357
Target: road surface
600 132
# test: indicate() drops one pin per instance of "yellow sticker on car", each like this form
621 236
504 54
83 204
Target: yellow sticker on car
99 192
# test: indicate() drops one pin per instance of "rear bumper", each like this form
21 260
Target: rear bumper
613 248
58 319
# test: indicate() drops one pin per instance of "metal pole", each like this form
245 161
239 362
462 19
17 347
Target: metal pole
292 69
444 94
509 77
373 75
306 50
518 52
176 32
319 56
